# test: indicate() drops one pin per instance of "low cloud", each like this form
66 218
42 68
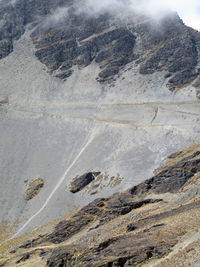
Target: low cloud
189 10
59 15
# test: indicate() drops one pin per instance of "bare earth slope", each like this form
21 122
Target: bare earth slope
84 94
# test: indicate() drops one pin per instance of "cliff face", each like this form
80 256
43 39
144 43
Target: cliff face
78 39
81 93
171 47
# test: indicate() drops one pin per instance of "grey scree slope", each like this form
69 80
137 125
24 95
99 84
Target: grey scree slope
95 94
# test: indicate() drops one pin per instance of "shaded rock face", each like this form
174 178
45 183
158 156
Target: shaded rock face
34 188
104 209
78 40
24 258
15 16
128 251
82 40
12 27
82 181
176 51
171 179
171 47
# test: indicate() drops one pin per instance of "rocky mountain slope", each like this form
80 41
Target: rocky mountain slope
90 105
146 225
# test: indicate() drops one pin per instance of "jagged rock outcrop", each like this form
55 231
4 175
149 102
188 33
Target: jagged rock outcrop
176 51
15 15
111 48
174 48
170 179
78 40
127 251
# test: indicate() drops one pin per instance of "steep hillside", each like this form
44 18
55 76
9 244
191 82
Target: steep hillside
146 225
90 104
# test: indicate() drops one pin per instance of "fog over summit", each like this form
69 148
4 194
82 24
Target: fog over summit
188 10
124 8
154 9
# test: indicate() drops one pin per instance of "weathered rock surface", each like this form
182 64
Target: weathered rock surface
111 50
82 181
15 15
96 210
171 179
34 188
175 49
78 40
123 251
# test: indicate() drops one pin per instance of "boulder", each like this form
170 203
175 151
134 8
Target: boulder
82 181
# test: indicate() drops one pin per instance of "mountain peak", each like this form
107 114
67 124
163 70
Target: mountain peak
70 37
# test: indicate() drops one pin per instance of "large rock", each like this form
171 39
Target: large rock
82 181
